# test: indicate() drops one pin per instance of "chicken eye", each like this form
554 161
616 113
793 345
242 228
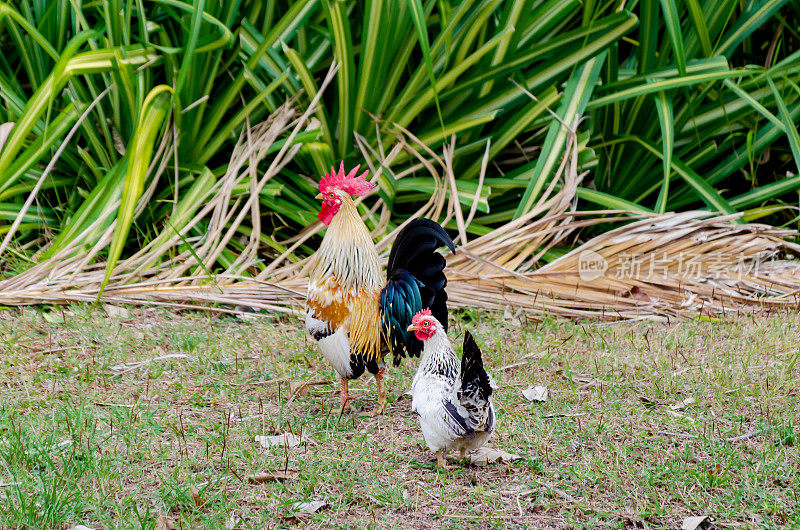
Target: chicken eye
332 195
426 323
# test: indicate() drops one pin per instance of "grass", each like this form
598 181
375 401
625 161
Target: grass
87 439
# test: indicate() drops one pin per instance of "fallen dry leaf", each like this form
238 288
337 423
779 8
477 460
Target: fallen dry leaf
682 404
53 317
302 388
286 439
164 523
693 522
195 495
304 509
116 311
298 387
278 475
489 455
232 521
637 294
512 317
535 393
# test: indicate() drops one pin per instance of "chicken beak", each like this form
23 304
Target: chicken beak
319 196
412 327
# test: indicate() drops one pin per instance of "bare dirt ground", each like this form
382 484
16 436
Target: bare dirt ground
144 418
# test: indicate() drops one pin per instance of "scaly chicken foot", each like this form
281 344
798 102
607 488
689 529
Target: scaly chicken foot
344 396
441 461
381 408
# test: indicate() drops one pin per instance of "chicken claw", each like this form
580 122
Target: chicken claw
441 461
381 408
345 397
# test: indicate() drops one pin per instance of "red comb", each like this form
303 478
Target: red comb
356 186
420 314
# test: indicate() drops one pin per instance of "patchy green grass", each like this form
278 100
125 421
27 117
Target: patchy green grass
87 439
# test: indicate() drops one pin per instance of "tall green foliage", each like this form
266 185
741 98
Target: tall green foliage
689 104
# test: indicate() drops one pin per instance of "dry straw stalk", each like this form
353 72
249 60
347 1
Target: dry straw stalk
655 266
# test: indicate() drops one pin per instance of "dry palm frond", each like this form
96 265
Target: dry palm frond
673 264
653 266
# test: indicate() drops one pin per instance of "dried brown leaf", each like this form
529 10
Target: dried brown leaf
305 509
302 388
278 475
535 393
164 523
489 455
115 311
286 439
298 387
195 495
637 294
682 404
693 522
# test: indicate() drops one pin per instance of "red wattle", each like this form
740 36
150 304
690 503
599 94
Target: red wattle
422 334
326 213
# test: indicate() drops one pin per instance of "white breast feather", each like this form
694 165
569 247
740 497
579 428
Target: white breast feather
335 348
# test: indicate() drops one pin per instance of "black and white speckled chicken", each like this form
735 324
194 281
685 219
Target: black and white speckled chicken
453 400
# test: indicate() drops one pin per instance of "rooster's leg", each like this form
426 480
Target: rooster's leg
344 395
381 392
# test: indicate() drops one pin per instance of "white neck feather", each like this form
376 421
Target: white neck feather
437 345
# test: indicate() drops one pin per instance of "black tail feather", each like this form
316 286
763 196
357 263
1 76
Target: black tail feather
415 280
414 250
420 236
474 379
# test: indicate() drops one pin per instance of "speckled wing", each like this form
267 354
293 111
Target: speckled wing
443 421
457 419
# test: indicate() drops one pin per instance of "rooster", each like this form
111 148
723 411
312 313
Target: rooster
355 316
454 403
